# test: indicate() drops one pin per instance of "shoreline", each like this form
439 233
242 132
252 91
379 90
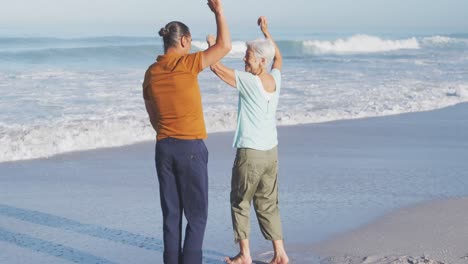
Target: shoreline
334 177
233 130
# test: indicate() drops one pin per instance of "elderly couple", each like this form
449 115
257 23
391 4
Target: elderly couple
173 102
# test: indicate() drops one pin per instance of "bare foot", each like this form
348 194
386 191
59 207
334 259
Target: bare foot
280 259
239 259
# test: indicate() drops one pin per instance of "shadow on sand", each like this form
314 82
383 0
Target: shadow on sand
57 250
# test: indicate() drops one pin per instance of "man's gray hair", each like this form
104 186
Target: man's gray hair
262 48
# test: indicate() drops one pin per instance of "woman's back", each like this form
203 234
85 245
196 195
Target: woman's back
268 83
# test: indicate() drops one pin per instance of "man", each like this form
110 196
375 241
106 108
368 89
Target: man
173 102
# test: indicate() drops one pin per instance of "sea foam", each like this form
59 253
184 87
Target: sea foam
359 44
68 95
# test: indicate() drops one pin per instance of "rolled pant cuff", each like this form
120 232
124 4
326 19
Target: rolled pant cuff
274 238
239 238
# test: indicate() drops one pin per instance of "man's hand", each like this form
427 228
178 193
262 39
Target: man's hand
215 6
211 40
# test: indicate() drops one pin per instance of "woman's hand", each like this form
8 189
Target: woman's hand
211 40
263 23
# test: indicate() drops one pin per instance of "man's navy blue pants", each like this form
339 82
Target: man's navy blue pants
182 168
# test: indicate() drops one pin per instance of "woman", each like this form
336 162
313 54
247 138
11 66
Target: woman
173 102
254 174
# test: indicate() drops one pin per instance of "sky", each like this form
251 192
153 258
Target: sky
145 17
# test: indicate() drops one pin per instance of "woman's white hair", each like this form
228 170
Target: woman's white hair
262 48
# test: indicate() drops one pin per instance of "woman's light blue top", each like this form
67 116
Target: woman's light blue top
256 112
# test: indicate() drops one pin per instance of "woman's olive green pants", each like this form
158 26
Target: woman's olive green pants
255 177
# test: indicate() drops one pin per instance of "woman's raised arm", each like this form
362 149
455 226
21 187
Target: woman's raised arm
278 59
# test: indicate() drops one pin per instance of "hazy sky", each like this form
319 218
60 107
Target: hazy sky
144 17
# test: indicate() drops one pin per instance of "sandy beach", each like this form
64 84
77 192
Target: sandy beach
343 185
434 232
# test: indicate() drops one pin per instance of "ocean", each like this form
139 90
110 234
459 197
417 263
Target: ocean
68 94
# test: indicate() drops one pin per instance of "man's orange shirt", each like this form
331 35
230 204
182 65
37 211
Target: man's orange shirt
171 84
